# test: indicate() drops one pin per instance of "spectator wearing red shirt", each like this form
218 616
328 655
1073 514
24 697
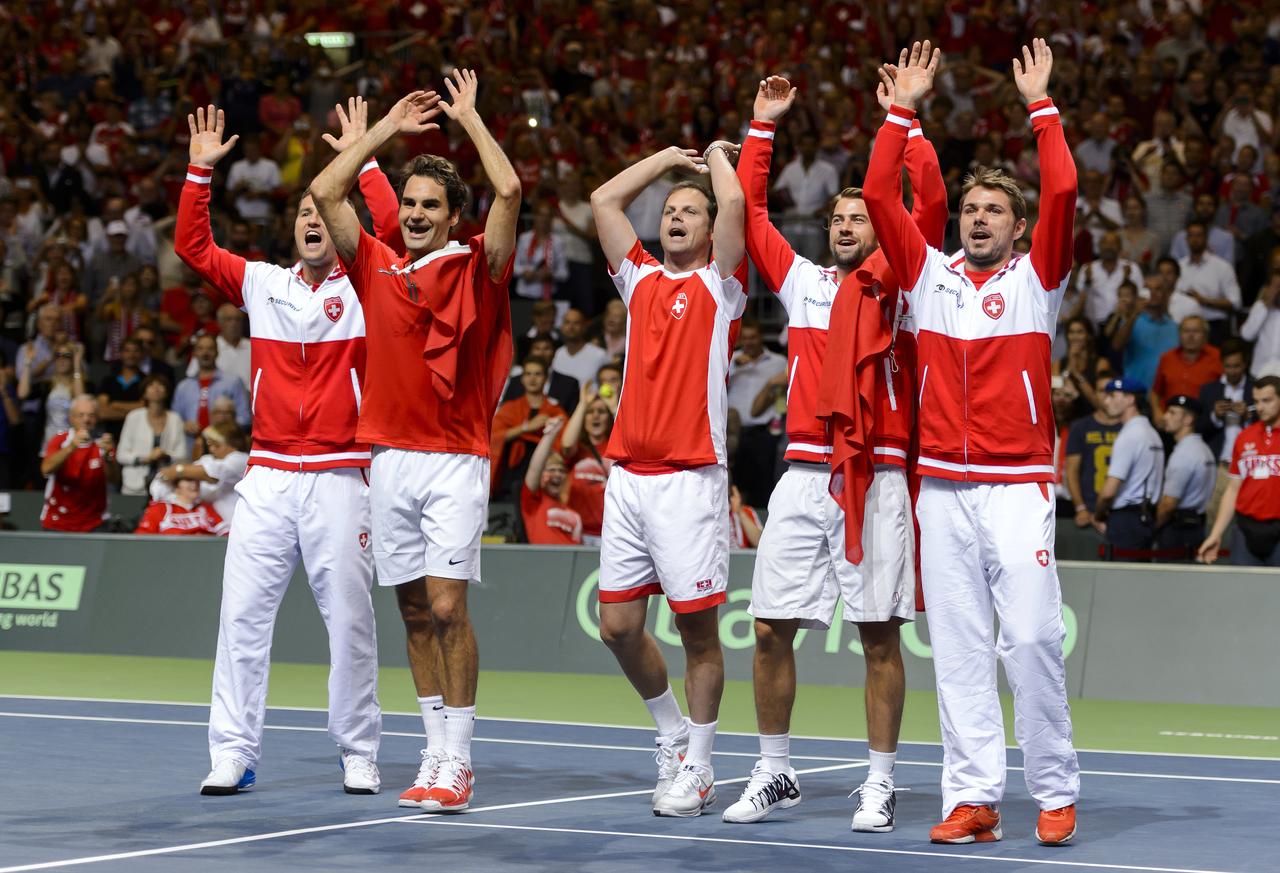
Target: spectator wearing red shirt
583 445
517 427
277 111
744 523
177 510
79 468
1187 368
1252 496
548 519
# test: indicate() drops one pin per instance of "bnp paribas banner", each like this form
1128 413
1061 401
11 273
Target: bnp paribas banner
37 598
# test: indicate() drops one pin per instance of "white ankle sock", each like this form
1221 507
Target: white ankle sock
459 723
665 710
882 764
433 720
775 750
701 738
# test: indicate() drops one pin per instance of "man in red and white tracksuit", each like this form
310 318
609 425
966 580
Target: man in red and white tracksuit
984 322
305 496
801 569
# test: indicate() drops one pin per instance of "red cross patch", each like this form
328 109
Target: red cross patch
333 308
993 305
1042 557
681 304
364 535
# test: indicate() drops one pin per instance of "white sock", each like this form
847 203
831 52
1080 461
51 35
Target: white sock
701 738
433 720
459 723
882 764
666 713
775 749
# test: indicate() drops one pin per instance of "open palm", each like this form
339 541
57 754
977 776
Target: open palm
207 147
462 88
1031 74
914 79
773 99
353 122
413 112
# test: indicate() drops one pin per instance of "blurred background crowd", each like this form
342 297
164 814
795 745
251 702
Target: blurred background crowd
1170 106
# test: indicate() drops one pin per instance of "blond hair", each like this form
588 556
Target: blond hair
996 180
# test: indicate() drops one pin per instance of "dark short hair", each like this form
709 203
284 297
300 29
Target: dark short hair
442 171
701 189
748 323
1234 346
133 341
1196 222
542 338
845 194
535 359
1177 268
609 366
161 379
1272 382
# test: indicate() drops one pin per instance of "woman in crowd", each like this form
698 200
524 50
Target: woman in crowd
1081 366
582 446
219 470
66 383
152 438
548 519
1138 243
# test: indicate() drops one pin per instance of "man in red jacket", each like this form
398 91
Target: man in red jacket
439 351
79 468
984 323
305 496
801 571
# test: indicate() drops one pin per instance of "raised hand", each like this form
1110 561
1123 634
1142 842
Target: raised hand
886 90
685 159
462 88
731 150
913 79
1031 74
207 147
353 122
413 112
773 99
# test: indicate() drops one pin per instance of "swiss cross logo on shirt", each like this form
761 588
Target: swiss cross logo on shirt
1042 557
993 305
364 535
705 584
680 305
333 308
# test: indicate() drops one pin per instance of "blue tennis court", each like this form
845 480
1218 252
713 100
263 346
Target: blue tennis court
111 786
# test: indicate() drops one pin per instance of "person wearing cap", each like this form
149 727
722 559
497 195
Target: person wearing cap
1188 479
113 262
1252 497
1135 478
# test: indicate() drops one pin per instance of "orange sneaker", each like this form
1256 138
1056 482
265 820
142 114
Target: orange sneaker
968 824
412 796
1056 827
451 791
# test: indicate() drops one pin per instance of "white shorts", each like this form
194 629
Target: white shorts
429 511
666 534
801 569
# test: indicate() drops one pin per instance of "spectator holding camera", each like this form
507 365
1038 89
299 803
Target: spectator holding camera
80 465
152 437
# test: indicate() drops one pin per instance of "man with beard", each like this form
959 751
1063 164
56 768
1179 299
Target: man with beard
984 323
306 495
801 570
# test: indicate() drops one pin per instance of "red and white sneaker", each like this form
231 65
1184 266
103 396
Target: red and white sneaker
968 824
413 795
451 790
1056 827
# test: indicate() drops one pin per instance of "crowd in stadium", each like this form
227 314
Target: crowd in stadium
1171 110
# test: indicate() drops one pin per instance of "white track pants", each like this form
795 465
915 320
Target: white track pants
985 546
323 519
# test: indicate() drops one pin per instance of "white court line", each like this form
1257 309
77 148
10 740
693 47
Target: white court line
320 730
626 727
231 841
454 822
611 748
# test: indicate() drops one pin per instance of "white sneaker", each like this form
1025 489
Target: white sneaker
228 776
691 792
451 790
765 792
875 806
359 774
669 755
427 770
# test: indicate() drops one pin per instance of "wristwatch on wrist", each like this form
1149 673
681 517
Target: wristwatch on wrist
178 469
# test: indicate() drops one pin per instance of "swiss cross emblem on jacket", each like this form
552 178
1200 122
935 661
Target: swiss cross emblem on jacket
993 305
680 305
333 308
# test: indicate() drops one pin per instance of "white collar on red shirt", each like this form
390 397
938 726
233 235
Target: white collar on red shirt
450 248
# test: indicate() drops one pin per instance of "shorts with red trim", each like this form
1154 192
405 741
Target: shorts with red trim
666 534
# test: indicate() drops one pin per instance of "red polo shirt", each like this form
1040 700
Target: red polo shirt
1176 375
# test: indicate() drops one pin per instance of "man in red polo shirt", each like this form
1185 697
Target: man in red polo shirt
79 468
1189 367
438 330
1252 496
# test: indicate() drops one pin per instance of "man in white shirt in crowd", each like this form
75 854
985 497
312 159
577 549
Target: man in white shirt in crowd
252 180
1135 475
1207 285
540 265
233 346
1100 279
1262 327
576 357
1188 480
1220 240
1244 122
1094 153
753 367
806 186
1094 209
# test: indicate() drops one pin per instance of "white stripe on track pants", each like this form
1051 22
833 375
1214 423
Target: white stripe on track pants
321 518
985 546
